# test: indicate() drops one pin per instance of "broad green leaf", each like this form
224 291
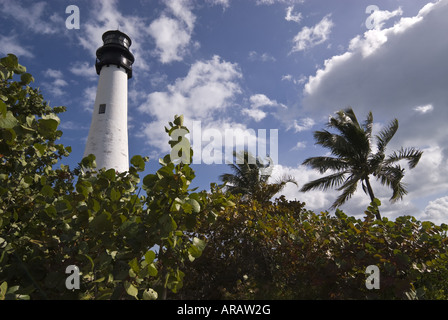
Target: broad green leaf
115 195
47 191
196 206
134 265
101 223
110 174
130 289
63 205
96 205
40 149
150 294
89 161
138 162
8 121
9 136
26 78
195 250
11 62
3 290
30 119
4 74
150 256
199 243
149 180
426 225
47 127
3 109
152 270
20 69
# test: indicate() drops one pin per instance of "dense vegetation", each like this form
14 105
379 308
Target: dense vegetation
156 238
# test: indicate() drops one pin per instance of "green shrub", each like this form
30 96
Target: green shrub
283 251
125 245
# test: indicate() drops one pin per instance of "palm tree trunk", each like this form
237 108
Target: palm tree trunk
372 196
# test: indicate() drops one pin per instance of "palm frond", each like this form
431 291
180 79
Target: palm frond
391 176
386 134
283 180
411 154
268 190
348 189
325 183
326 163
338 145
351 114
230 178
375 161
368 125
347 124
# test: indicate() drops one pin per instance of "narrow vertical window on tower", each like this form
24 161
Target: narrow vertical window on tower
102 108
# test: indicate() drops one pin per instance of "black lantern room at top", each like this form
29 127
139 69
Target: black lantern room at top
115 51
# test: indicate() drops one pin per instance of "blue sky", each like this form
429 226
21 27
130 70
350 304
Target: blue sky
283 65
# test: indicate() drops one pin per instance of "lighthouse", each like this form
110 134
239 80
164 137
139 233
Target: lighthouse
108 134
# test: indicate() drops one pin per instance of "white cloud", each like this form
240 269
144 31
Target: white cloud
172 35
258 101
224 3
302 125
424 109
84 69
430 175
181 9
261 100
204 93
396 72
70 125
88 100
171 39
378 18
60 83
220 138
271 2
290 16
32 16
399 66
437 211
52 73
106 16
264 57
310 37
389 72
57 82
315 200
301 80
11 45
255 114
299 145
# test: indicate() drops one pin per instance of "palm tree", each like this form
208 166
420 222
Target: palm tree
354 160
250 178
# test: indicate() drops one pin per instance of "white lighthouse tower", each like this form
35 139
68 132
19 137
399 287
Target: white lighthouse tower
108 134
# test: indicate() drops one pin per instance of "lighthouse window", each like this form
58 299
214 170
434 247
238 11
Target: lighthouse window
102 108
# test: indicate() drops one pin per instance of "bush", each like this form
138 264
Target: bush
125 246
283 251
